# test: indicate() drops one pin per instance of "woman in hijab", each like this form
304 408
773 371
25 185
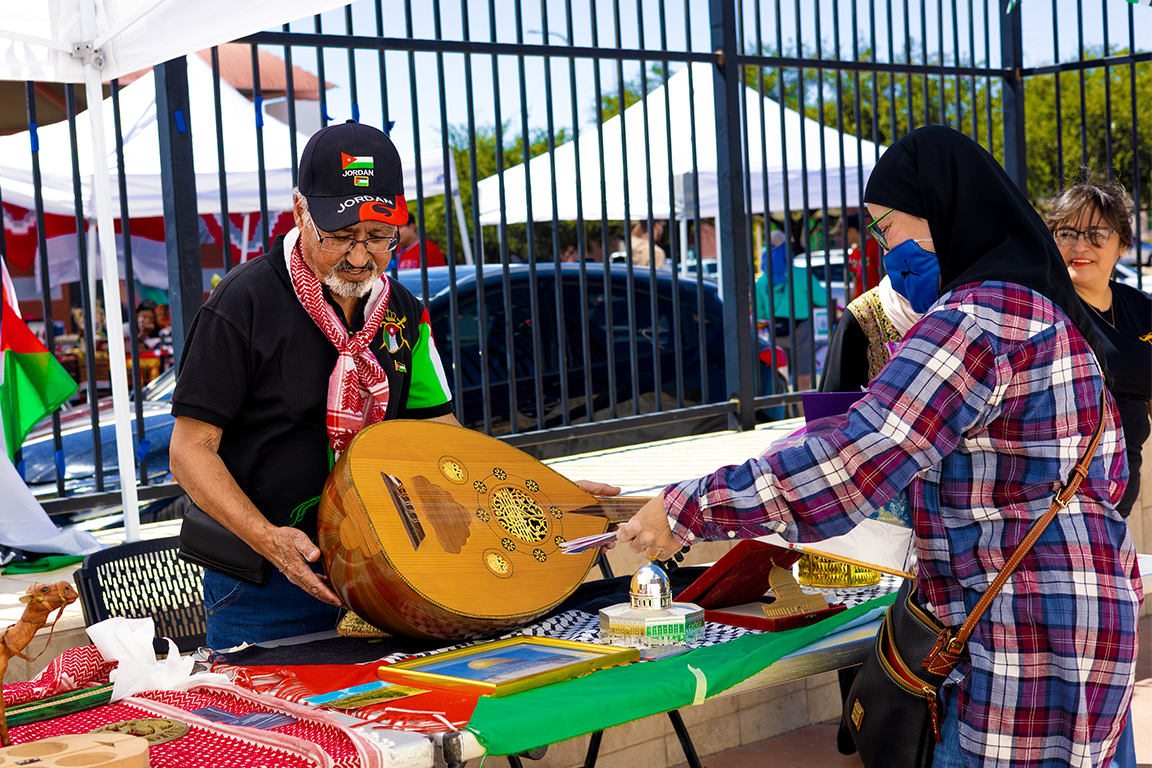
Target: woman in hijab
980 415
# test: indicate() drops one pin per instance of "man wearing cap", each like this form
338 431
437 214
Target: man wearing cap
290 356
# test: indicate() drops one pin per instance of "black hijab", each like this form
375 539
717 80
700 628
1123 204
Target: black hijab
982 226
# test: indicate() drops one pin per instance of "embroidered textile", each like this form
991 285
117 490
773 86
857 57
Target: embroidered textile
868 310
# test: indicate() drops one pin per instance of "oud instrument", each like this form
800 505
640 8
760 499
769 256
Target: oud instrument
435 531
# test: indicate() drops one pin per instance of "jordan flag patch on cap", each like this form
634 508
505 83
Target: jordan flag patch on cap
353 163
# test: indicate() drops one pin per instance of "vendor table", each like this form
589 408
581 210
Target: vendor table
513 725
841 649
746 664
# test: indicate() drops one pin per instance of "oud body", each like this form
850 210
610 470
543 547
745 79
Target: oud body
434 531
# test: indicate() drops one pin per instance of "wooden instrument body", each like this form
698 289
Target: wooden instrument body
91 750
434 531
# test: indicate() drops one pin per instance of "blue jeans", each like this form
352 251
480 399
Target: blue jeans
239 612
949 755
1125 756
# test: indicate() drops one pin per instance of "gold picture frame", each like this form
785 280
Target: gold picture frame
507 666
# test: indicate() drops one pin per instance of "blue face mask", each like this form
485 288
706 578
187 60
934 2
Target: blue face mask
915 274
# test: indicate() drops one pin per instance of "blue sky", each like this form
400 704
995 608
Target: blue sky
682 17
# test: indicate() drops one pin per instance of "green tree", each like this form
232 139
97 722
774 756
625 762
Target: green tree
889 105
1056 149
440 215
892 104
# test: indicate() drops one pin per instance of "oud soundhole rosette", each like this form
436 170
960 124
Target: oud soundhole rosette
519 514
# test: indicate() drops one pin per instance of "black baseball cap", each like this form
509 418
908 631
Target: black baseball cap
351 173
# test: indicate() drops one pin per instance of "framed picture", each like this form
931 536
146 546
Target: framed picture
507 666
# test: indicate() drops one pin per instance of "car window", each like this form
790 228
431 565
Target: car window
526 357
610 319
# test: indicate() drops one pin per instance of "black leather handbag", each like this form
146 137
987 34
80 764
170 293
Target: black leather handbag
207 543
893 709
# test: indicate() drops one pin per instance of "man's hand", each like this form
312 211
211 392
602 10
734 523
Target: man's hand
648 533
290 550
196 465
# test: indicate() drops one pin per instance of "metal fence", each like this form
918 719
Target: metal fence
561 128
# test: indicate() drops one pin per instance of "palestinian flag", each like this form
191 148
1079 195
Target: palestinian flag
32 381
353 163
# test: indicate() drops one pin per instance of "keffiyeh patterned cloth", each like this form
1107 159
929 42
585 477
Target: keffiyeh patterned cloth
585 628
315 739
358 387
72 670
437 711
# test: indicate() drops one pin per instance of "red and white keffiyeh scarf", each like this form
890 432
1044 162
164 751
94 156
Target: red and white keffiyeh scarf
358 386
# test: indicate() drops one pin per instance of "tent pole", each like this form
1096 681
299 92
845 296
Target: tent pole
458 201
117 368
93 280
462 222
684 247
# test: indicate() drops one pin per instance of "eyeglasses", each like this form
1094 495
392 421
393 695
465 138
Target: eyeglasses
1095 237
334 244
874 230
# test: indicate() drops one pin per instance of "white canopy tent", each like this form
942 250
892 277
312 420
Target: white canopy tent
88 41
788 163
142 163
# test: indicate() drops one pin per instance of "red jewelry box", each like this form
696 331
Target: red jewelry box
734 590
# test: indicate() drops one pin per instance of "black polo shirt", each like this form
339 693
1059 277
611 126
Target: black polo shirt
257 366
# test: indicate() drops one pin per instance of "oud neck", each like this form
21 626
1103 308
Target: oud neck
618 509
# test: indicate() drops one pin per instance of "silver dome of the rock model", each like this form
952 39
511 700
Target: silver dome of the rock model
651 620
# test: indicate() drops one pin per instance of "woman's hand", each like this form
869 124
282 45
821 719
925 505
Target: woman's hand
648 533
598 489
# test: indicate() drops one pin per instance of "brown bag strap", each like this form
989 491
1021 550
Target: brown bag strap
948 648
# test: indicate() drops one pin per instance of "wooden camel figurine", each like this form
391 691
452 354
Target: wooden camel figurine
41 600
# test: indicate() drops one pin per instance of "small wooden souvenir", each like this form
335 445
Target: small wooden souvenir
91 750
41 600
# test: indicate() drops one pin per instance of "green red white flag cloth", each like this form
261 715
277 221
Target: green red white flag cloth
32 381
32 385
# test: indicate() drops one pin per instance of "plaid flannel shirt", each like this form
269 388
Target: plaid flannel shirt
981 414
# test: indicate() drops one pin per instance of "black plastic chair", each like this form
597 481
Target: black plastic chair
145 578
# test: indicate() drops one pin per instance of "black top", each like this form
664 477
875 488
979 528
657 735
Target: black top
256 365
1127 348
846 361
